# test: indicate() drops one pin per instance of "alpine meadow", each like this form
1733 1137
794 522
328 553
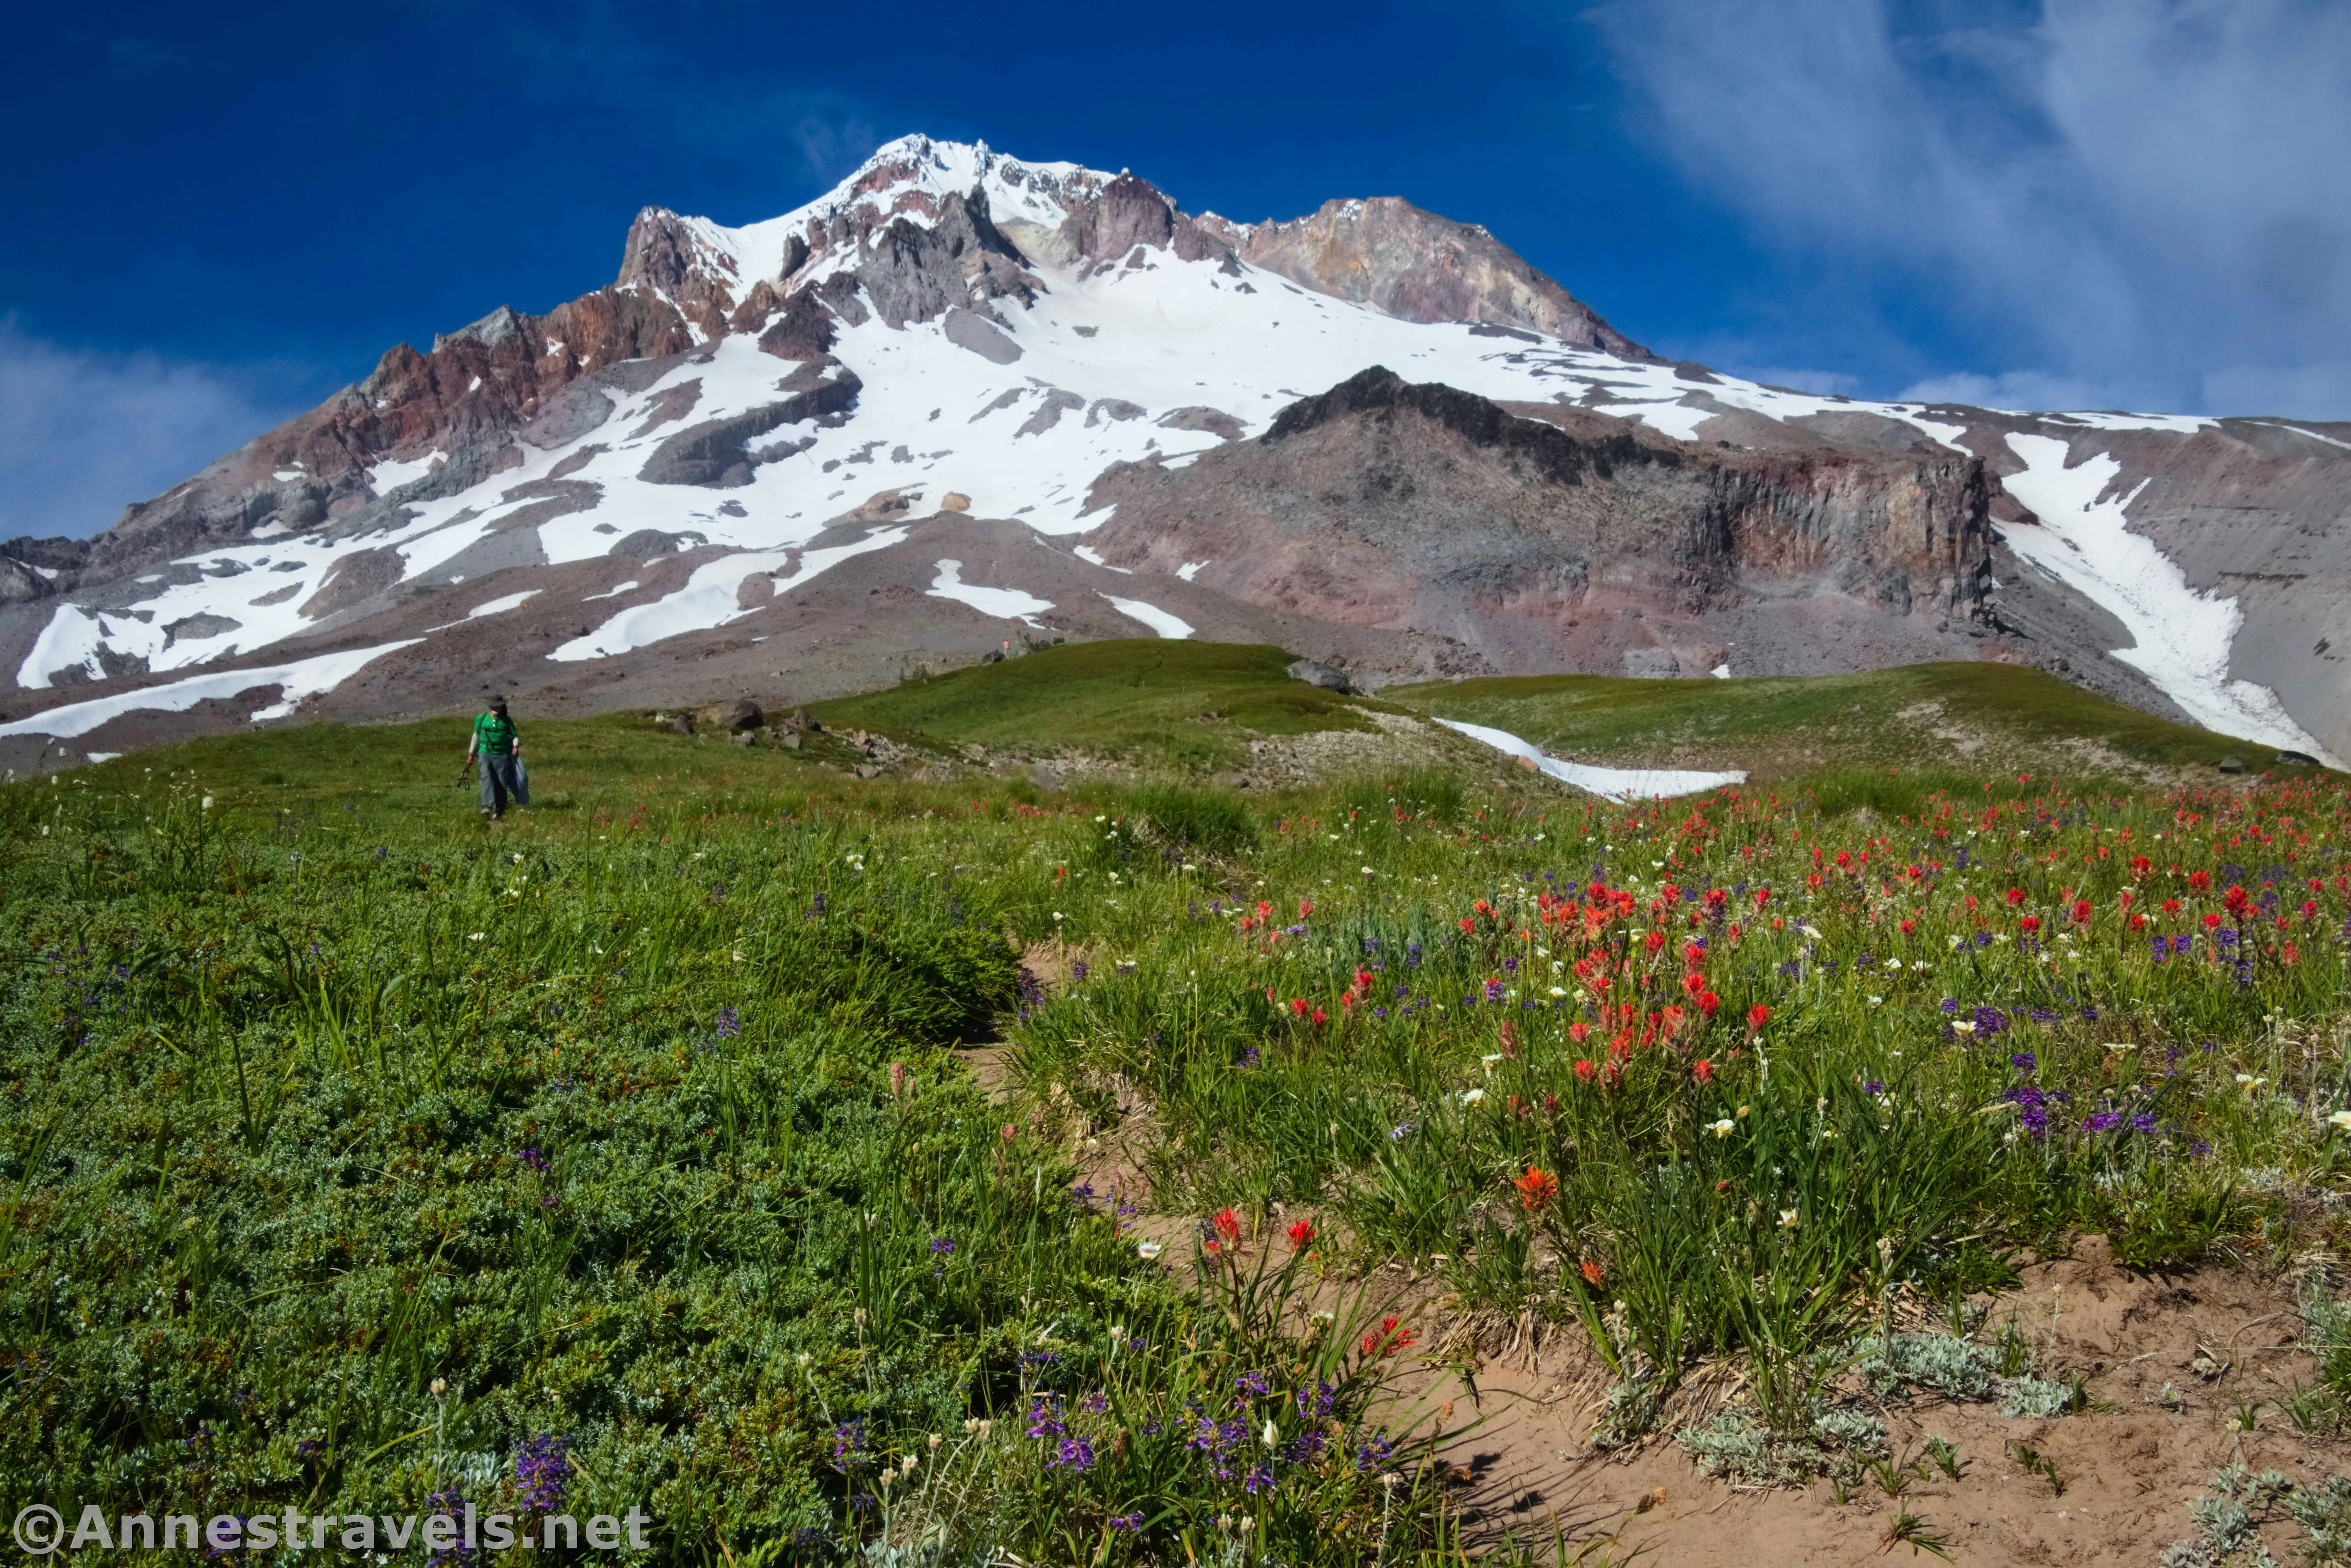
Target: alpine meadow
1144 1171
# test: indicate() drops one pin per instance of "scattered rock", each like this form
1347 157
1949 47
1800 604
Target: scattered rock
2232 765
1315 673
867 770
1045 777
740 715
955 501
788 739
680 723
970 329
2296 759
743 737
1652 663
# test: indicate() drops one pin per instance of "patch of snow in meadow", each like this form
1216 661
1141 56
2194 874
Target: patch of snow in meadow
1092 557
1611 783
2182 636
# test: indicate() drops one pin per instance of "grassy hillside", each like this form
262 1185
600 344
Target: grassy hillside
1955 717
1181 703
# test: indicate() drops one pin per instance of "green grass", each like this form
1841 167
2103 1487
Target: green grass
1954 720
355 1151
1179 703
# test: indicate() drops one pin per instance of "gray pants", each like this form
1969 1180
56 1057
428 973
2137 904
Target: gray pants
498 783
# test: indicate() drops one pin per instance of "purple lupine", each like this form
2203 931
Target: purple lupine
2032 1108
2102 1121
728 1026
543 1473
1074 1455
450 1504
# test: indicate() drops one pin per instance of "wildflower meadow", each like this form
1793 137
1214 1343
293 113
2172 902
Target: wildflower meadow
358 1158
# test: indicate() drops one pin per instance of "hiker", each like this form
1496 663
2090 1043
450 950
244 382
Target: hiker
496 745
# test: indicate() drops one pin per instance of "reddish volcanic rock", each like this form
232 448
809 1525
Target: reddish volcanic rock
1387 253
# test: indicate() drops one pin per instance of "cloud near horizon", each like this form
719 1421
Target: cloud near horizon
83 434
2119 202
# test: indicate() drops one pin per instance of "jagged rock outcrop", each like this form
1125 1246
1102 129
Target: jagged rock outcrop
1563 540
1388 253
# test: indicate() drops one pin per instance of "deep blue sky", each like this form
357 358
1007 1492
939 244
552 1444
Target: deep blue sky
215 216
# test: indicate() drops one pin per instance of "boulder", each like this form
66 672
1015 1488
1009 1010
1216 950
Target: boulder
2232 765
1315 673
738 716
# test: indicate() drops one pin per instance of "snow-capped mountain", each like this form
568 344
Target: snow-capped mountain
964 398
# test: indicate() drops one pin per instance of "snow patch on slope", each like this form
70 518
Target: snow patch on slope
298 681
1003 603
2182 636
1151 615
387 475
1611 783
713 596
499 606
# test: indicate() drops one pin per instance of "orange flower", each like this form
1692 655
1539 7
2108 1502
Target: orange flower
1702 1070
1536 1189
1229 1226
1300 1233
1593 1273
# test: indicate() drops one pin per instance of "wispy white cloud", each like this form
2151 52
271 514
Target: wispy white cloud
83 435
2135 201
1828 383
2023 391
